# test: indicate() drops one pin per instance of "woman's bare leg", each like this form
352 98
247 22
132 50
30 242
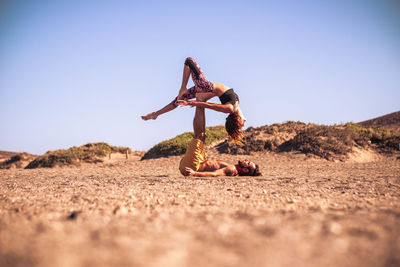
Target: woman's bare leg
154 115
185 79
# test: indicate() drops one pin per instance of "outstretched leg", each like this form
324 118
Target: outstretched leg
199 121
195 155
199 124
191 93
154 115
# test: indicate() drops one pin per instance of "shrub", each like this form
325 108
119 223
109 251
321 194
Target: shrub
325 141
17 161
91 153
268 137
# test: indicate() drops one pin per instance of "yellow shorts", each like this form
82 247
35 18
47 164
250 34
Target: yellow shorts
194 156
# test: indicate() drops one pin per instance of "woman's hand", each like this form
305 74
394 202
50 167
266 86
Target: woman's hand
182 91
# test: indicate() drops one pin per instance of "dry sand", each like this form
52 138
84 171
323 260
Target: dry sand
301 212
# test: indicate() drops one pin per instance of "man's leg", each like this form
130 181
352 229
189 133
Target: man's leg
199 121
195 155
199 124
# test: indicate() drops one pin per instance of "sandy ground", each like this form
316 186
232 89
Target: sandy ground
301 212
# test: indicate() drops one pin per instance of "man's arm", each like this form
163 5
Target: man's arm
226 171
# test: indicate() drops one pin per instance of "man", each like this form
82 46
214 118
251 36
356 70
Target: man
194 163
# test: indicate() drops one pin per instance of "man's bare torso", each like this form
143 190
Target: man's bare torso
213 165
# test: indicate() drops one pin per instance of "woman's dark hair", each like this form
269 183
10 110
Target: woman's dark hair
233 126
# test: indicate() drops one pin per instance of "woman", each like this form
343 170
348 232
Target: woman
204 90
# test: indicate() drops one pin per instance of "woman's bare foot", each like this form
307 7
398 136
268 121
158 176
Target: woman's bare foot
150 116
182 91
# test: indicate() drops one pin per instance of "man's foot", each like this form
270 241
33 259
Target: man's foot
150 116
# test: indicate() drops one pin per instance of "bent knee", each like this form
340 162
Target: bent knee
189 60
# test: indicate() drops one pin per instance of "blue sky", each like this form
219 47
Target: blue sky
73 72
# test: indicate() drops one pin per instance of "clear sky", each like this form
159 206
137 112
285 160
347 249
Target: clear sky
73 72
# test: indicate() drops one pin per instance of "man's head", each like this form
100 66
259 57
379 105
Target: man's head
247 168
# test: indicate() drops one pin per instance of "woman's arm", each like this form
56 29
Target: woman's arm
225 108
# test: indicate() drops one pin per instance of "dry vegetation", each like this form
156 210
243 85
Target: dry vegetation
89 153
329 142
17 160
335 142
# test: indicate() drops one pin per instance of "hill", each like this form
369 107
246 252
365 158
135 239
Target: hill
334 142
389 121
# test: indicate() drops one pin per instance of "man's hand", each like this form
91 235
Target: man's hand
189 171
185 103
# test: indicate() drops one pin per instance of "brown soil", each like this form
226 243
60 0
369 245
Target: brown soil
301 212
